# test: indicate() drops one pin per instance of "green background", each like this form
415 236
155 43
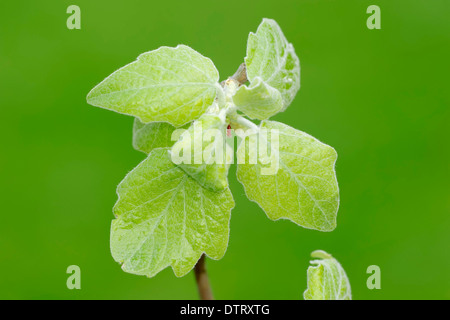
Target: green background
380 97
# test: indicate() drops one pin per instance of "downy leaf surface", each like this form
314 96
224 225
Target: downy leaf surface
272 58
165 218
209 154
327 279
259 101
149 136
174 85
304 189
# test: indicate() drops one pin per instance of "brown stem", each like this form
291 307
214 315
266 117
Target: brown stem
201 276
241 74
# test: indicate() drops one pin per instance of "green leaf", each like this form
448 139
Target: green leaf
327 279
259 101
273 59
165 218
202 152
147 137
174 85
304 189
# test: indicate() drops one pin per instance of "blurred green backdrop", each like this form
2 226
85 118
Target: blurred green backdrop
380 97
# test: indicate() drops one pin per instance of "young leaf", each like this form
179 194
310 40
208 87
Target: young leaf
206 156
174 85
273 59
147 137
327 279
259 101
165 218
304 189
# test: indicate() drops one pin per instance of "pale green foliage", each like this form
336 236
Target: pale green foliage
259 101
203 165
174 85
165 218
170 212
147 137
273 59
304 189
327 279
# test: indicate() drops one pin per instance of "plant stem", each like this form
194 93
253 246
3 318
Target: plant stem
201 276
247 123
241 74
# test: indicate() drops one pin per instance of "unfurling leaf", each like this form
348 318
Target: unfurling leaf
165 218
174 85
273 59
304 189
149 136
327 279
259 101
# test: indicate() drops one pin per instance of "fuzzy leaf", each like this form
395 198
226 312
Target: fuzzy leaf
198 146
147 137
327 279
259 101
165 218
273 59
174 85
304 189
